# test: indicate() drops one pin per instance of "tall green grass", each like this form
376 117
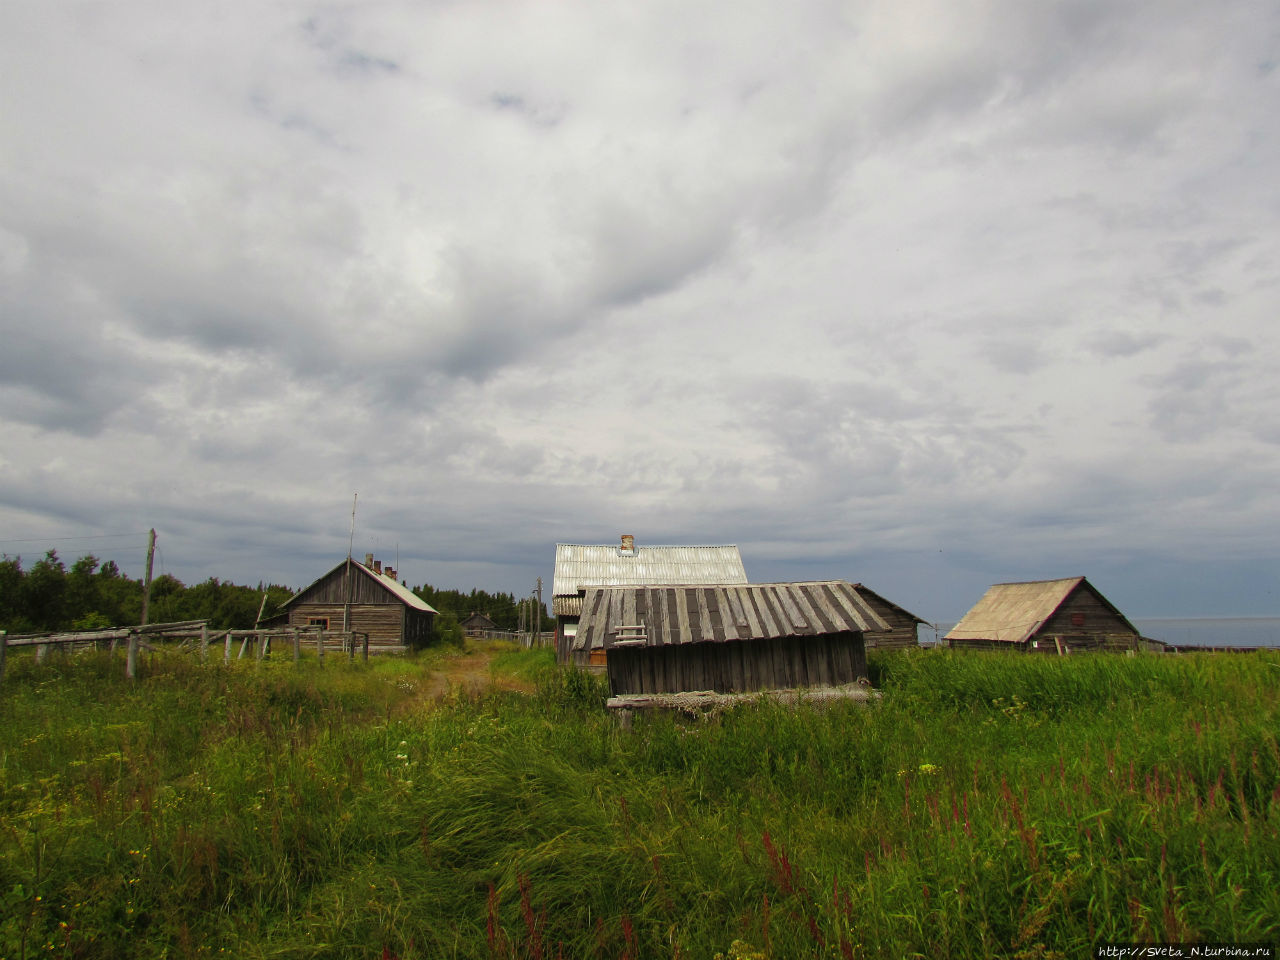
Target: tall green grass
988 806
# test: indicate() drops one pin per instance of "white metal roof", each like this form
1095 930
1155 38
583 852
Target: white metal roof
606 565
401 591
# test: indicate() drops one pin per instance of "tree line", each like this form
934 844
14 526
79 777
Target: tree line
92 595
454 606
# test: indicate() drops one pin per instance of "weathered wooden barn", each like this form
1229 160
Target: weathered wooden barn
579 566
728 638
367 599
1046 616
477 625
902 633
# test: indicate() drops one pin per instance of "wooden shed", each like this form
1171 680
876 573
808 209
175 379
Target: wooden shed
1045 616
579 566
902 633
729 638
368 599
477 625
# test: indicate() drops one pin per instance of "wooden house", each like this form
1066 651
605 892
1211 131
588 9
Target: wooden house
579 566
363 598
728 638
902 633
1045 616
477 625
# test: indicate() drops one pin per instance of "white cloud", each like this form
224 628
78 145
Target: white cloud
845 285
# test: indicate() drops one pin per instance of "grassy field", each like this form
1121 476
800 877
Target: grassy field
989 806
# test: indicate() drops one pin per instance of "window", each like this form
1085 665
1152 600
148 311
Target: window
321 622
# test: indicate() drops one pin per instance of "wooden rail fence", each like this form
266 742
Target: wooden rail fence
193 634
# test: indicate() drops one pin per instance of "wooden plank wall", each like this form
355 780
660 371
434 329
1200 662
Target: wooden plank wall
384 622
901 633
1099 621
739 666
333 589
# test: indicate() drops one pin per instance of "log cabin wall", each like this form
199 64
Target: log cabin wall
1086 620
741 666
901 634
383 622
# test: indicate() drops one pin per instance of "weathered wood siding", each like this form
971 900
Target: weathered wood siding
385 623
1084 619
901 634
740 666
333 589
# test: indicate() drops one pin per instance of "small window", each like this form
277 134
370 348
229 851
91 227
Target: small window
321 622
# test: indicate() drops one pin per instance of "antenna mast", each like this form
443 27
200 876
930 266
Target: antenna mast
346 607
351 539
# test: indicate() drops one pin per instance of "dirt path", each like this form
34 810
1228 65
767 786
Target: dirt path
470 672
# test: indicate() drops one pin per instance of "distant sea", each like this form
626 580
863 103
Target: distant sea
1190 631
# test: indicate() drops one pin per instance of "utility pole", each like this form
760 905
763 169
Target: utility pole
146 583
539 628
131 654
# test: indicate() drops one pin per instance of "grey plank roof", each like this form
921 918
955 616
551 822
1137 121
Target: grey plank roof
681 613
1013 612
604 565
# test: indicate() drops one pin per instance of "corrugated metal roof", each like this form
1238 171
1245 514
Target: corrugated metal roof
678 613
605 565
1012 612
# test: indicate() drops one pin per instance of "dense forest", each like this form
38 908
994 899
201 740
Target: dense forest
93 594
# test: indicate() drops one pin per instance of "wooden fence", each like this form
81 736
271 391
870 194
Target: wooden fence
524 639
193 634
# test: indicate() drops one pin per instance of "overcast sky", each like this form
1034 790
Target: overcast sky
928 295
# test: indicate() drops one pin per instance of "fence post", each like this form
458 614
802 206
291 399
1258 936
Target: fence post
297 645
366 648
204 642
131 657
4 645
42 652
226 656
320 646
262 639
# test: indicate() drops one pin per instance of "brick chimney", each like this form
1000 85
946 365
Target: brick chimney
368 560
628 544
377 566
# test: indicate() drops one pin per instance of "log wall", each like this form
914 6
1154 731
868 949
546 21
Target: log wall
383 622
